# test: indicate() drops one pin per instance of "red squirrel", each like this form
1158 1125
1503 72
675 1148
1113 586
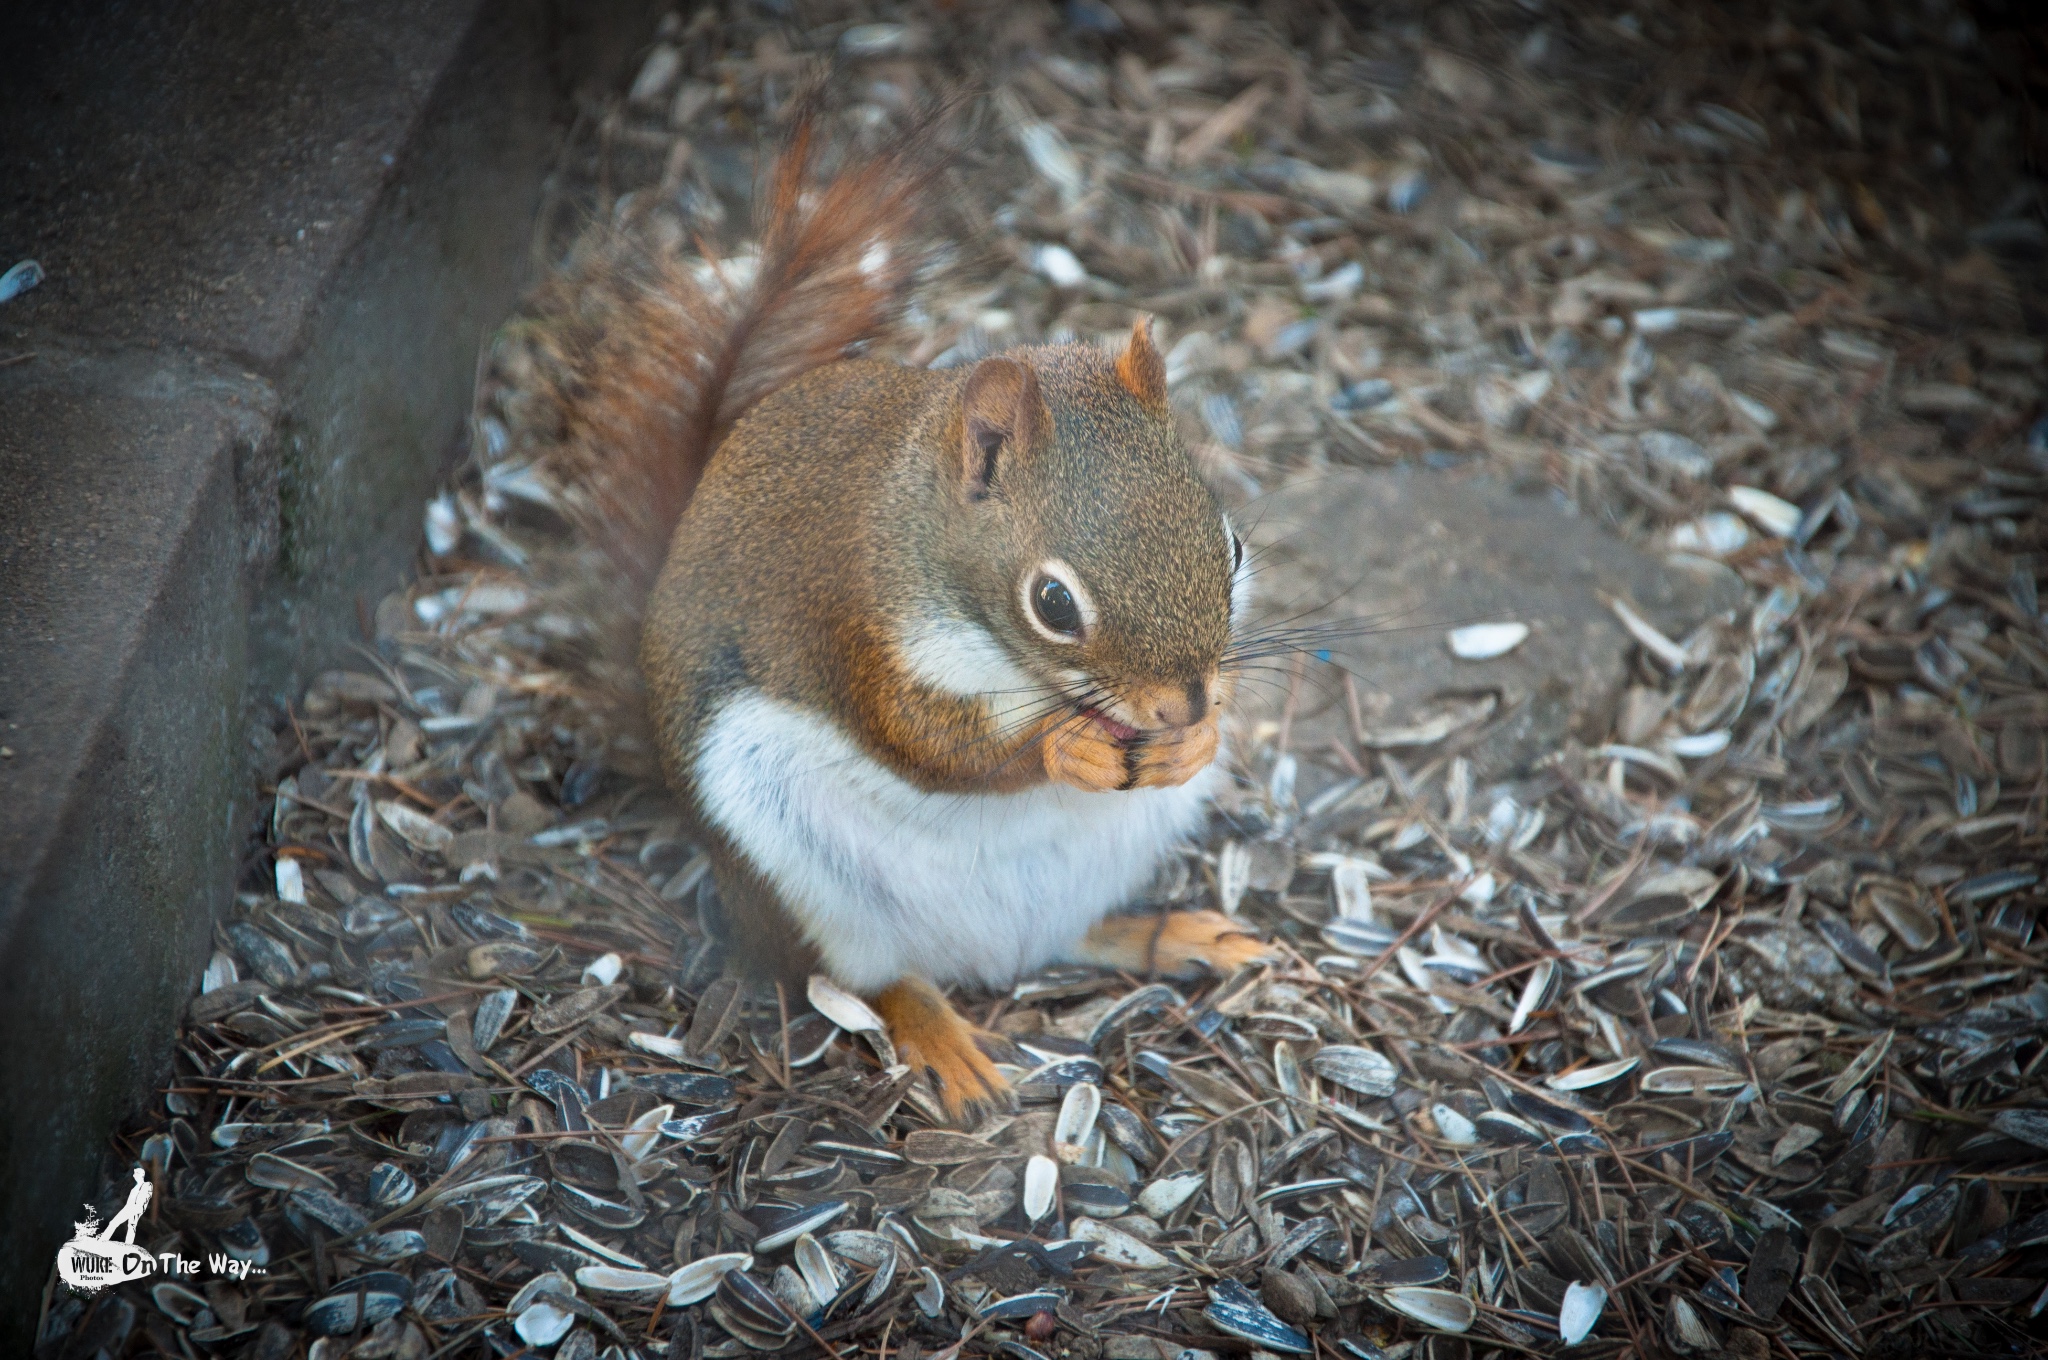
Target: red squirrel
935 659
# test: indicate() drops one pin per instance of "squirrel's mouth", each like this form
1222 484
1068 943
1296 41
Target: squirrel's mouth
1120 732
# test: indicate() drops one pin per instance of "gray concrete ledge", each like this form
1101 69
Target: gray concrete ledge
275 236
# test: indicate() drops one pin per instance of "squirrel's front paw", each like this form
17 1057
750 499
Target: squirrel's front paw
1177 943
936 1040
1078 751
1165 759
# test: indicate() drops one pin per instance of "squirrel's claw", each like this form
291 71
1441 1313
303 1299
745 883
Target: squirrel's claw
1176 944
936 1040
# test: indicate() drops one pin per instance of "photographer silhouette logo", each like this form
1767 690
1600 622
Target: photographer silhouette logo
96 1257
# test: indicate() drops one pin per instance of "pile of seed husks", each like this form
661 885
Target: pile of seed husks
1721 1036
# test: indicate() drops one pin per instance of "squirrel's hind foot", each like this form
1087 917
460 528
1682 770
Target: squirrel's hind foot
1177 943
938 1041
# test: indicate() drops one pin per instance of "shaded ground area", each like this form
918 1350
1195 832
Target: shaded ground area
258 250
1666 982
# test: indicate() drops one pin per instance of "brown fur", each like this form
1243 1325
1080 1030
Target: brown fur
847 499
1141 369
1000 405
842 506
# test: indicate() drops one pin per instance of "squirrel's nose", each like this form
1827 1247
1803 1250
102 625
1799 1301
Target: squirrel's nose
1181 708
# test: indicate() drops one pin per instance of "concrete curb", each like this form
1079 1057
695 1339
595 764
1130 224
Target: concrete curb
275 237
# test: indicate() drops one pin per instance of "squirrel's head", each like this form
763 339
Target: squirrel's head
1088 548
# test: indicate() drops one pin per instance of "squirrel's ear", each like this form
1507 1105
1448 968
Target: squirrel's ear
1140 369
999 408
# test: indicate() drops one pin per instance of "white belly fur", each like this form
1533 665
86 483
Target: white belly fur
889 880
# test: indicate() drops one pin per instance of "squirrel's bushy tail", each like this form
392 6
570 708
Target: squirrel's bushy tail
656 355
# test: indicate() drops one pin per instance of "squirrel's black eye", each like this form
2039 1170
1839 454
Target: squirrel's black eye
1236 552
1055 606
